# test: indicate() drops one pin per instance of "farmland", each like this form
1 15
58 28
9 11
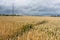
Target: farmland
29 28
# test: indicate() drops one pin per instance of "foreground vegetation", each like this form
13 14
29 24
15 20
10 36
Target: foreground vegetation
29 28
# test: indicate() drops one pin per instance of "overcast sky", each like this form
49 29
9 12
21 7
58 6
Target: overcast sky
50 3
45 3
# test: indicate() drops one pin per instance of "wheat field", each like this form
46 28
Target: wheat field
29 28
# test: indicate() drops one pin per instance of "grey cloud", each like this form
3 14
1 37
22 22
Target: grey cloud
31 7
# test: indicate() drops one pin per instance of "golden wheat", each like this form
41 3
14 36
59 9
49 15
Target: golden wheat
29 28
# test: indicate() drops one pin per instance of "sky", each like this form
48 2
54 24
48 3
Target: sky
30 2
42 4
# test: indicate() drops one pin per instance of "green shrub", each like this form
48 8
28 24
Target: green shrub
27 27
42 22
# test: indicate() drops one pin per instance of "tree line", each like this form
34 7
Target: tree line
9 15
